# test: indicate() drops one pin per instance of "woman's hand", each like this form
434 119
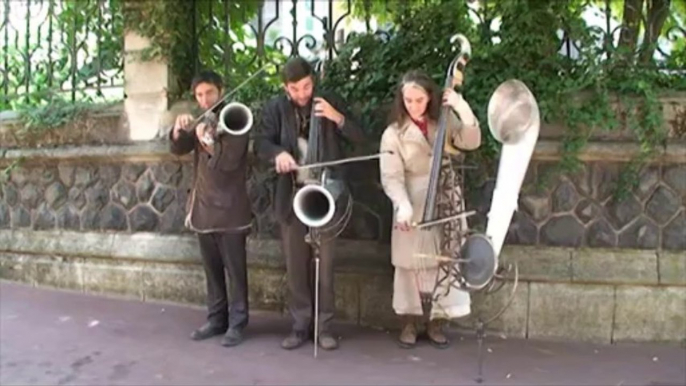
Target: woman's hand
459 105
454 100
403 218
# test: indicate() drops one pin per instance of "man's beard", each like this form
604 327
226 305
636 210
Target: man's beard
307 103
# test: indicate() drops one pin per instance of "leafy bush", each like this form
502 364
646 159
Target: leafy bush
576 93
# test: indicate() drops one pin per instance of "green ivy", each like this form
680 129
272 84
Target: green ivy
170 27
54 113
6 172
578 94
68 30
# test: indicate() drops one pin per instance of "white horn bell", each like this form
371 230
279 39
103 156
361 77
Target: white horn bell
235 119
512 111
314 205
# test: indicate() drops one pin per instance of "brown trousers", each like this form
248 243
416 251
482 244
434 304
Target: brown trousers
301 277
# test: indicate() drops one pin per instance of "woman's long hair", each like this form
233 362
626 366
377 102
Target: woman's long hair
399 113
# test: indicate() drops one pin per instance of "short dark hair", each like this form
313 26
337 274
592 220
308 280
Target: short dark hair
296 69
207 76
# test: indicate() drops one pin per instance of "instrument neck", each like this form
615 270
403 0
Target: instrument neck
314 138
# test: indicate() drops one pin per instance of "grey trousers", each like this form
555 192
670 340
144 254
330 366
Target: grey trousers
222 251
301 277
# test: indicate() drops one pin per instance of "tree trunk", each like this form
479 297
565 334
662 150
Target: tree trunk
658 10
631 22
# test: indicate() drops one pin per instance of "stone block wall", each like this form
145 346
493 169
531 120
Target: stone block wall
134 188
109 220
597 295
141 188
133 197
580 210
145 191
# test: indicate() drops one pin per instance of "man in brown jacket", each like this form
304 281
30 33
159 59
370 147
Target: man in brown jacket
281 134
218 210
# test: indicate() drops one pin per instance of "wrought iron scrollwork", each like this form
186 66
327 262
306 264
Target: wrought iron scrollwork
53 47
49 47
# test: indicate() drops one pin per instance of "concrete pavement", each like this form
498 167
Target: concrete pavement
56 337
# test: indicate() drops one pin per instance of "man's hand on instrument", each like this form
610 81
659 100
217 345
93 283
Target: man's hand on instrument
183 122
203 132
285 163
322 108
403 217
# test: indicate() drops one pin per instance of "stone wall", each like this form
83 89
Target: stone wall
137 188
596 295
106 125
109 220
133 188
108 196
580 210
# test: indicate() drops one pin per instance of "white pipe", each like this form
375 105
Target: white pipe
514 120
305 196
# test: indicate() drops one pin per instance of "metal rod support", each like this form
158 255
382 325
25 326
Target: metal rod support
316 305
443 220
342 161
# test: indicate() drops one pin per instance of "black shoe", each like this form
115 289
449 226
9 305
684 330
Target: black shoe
233 337
207 330
327 341
294 340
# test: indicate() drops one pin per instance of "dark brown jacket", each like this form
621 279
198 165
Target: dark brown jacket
276 132
218 200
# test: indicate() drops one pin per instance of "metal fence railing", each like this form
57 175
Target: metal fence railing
75 47
72 48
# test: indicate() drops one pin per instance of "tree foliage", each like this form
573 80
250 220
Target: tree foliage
580 93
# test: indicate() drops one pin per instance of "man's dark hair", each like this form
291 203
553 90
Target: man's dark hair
207 76
295 70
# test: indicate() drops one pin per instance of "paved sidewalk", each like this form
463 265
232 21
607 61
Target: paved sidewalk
56 337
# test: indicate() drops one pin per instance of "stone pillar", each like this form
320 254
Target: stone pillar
145 85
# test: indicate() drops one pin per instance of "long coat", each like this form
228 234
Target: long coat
276 132
218 200
405 178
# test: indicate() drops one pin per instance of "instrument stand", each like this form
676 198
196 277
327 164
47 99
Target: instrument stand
480 334
313 239
426 301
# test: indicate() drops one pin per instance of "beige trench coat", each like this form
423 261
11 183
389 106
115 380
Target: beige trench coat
405 176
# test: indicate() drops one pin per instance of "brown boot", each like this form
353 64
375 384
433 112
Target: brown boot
408 334
436 335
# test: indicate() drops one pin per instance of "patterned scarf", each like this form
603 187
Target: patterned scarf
302 118
423 126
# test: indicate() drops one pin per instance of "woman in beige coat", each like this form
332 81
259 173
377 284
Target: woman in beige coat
405 178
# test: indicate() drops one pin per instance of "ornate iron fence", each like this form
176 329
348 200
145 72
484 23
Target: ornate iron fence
318 28
54 47
74 47
231 39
